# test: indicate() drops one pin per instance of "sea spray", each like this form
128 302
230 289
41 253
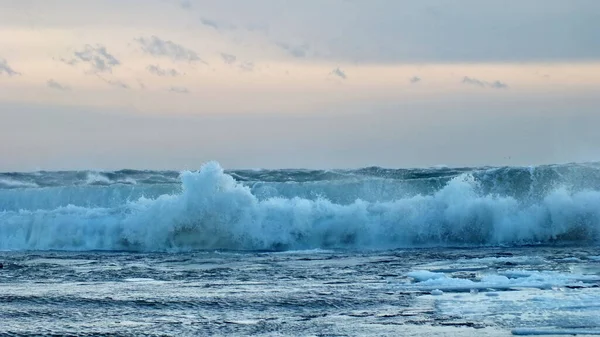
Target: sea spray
279 210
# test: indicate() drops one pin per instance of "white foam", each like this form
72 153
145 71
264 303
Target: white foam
504 280
553 332
11 183
128 181
213 211
520 260
529 311
96 178
424 275
139 279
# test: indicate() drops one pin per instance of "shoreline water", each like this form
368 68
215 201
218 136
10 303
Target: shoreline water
334 292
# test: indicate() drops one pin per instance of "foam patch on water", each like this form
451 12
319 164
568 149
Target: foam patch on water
424 275
554 332
526 302
504 280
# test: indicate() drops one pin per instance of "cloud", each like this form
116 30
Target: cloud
158 71
179 90
165 48
296 51
98 58
6 69
118 84
484 84
57 86
247 66
228 58
414 80
339 73
114 83
185 4
209 23
393 32
499 85
473 81
71 62
367 32
219 26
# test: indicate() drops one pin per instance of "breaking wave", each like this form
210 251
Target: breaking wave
371 208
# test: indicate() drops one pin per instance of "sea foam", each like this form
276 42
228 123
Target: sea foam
212 210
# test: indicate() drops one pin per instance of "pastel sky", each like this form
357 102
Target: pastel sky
170 84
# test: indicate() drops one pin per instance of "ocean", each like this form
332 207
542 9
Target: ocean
439 251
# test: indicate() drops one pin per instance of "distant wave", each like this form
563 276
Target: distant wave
83 178
96 178
370 208
10 183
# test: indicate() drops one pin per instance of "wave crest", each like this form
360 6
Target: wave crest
214 211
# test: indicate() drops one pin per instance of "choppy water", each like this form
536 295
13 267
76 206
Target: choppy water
374 252
301 293
298 209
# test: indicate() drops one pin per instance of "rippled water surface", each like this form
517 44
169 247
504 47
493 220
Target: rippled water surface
302 293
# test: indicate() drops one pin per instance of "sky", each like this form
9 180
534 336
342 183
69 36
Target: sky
171 84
